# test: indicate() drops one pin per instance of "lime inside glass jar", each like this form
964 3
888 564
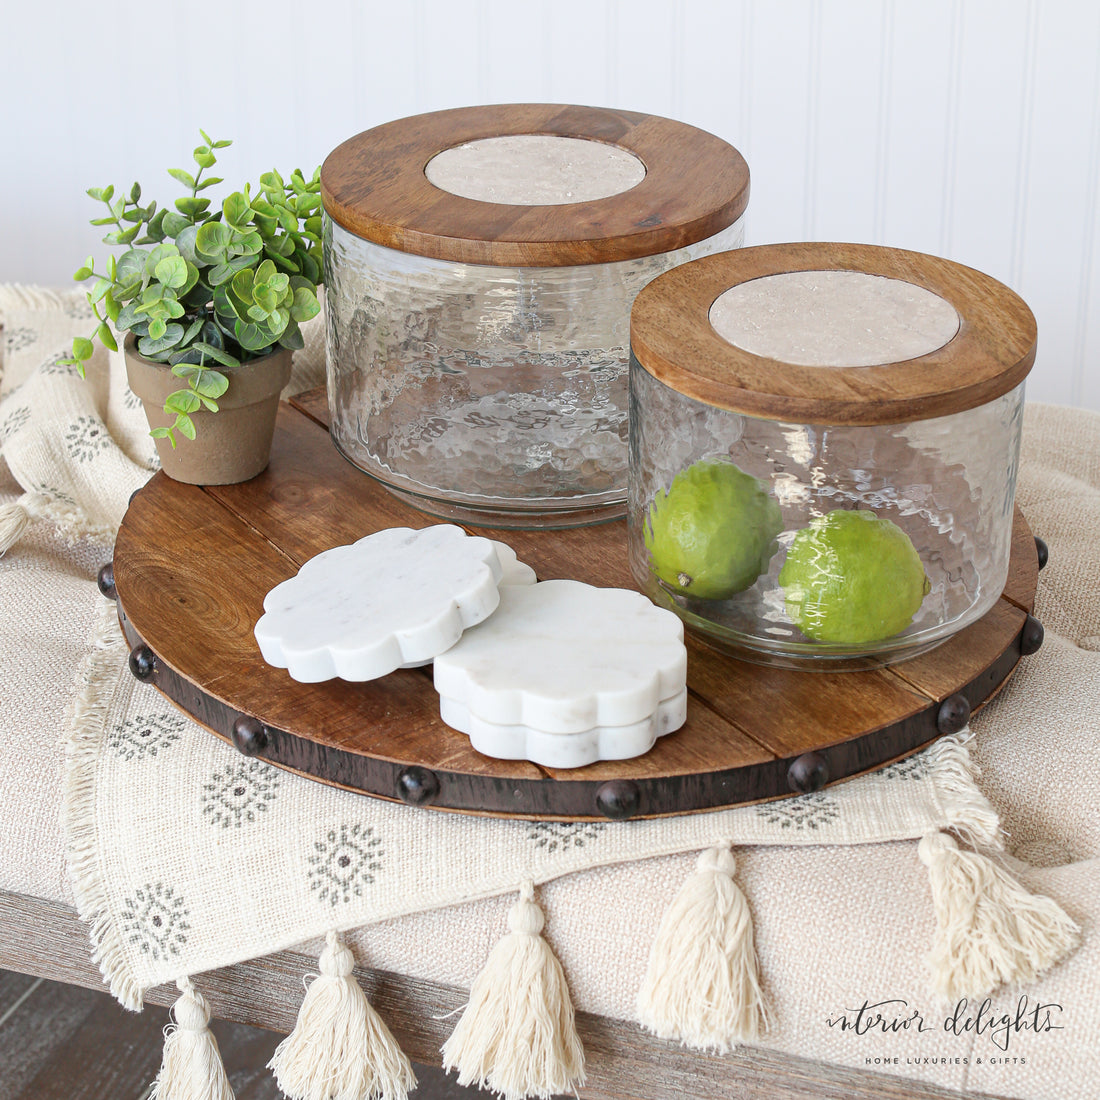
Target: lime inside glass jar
824 442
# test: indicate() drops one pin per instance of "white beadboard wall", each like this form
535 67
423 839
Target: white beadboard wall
966 128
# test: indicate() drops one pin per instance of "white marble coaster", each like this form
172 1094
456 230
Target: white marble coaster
566 750
394 598
514 571
562 657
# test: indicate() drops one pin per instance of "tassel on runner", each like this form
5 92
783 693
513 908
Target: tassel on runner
192 1065
518 1036
16 516
989 929
702 984
340 1049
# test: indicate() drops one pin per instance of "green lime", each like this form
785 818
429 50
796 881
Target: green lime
714 532
852 578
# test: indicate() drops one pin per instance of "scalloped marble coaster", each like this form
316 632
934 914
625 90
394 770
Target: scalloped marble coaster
393 598
565 750
568 660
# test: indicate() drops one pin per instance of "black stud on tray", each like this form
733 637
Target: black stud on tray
808 772
249 735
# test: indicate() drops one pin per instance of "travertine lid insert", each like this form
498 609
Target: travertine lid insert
834 318
535 170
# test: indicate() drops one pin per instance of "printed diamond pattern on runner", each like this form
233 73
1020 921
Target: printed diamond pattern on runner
155 919
808 811
236 795
344 863
555 836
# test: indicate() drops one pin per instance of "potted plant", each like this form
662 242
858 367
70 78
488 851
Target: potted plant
211 300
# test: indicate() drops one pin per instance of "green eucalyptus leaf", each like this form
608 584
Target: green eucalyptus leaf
182 176
211 182
154 344
182 401
242 284
107 193
305 305
191 207
173 308
236 209
82 273
131 266
249 244
211 241
287 265
251 337
192 330
211 405
292 337
133 215
113 238
172 271
185 426
99 288
82 348
128 235
118 206
106 336
272 181
110 303
220 273
258 314
96 193
135 192
203 157
265 271
311 269
102 221
190 282
220 144
210 383
206 137
172 223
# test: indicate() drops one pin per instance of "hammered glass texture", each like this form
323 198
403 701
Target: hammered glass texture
948 482
493 388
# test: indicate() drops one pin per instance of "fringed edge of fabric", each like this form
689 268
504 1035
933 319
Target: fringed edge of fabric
955 776
28 296
94 686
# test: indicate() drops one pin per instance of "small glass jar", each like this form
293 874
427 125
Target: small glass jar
823 449
480 269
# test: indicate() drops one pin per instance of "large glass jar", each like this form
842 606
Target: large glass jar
480 269
823 449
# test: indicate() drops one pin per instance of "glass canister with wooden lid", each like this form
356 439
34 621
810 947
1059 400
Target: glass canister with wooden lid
480 268
824 442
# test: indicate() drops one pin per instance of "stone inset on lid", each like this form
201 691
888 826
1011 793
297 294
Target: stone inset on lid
833 318
393 598
535 170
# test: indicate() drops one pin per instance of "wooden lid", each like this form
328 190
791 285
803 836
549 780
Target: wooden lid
991 352
695 185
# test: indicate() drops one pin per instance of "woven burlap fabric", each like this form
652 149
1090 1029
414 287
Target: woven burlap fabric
835 924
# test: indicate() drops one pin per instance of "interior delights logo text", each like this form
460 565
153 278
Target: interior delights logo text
896 1016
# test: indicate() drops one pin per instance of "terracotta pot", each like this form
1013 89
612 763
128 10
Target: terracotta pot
231 445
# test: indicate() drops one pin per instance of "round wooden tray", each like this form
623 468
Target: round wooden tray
192 566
